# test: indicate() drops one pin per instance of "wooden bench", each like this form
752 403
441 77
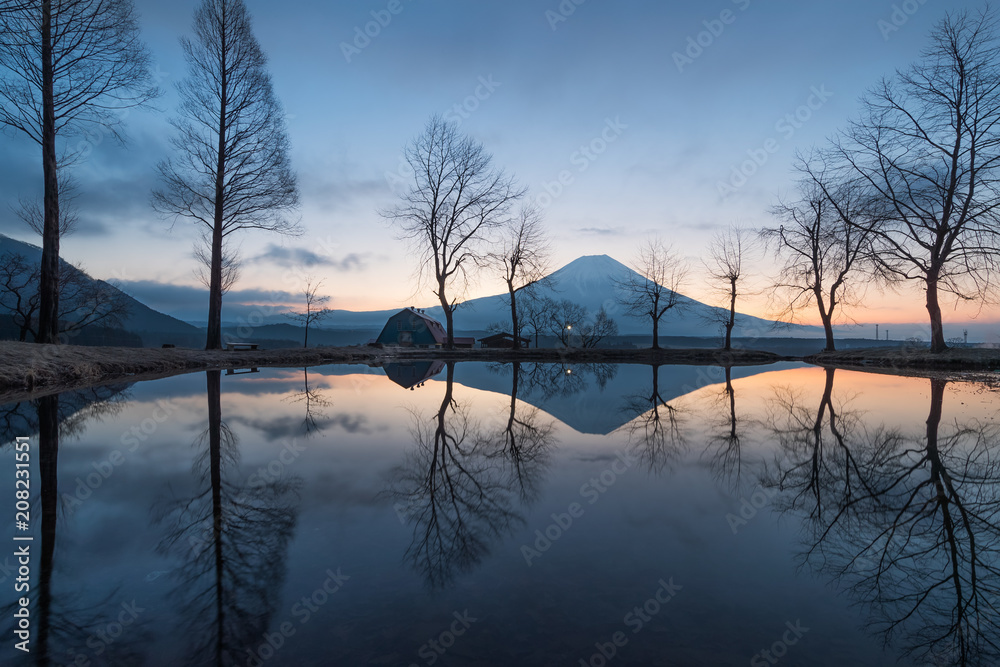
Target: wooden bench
240 346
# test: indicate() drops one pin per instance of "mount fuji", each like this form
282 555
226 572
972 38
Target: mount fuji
590 281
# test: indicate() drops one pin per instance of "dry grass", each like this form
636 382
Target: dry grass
29 370
959 358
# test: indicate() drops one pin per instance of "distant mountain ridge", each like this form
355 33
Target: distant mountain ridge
589 281
153 326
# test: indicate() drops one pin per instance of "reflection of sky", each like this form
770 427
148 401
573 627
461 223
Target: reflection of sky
348 122
738 590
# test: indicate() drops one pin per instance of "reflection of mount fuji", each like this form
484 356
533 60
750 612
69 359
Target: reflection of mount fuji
589 398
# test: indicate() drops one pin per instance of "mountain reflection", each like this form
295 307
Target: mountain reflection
230 539
908 523
457 487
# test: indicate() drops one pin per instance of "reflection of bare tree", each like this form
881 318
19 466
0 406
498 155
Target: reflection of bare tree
550 379
63 625
314 402
454 490
524 441
819 464
232 539
726 435
908 523
656 435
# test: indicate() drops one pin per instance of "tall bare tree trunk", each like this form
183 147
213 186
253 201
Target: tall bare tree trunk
732 315
513 316
214 337
48 466
48 287
448 316
934 310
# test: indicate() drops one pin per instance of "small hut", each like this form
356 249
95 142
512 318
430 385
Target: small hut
412 327
503 341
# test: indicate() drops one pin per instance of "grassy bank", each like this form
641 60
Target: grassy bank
902 358
30 369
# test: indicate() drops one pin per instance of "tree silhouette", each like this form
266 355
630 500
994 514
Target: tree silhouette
231 538
456 202
909 524
653 288
726 436
523 440
824 243
524 261
928 145
725 266
231 171
456 490
314 403
71 68
64 623
656 435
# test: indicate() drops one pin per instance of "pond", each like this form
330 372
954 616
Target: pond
532 514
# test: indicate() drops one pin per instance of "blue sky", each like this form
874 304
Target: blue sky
593 92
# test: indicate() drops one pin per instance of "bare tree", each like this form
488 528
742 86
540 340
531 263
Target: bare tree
231 171
532 316
32 213
823 245
231 264
19 292
928 144
593 332
726 253
458 198
83 302
653 288
563 317
314 310
523 259
69 67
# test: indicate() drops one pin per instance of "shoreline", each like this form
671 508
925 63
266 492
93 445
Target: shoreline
29 370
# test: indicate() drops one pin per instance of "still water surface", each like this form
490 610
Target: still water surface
510 515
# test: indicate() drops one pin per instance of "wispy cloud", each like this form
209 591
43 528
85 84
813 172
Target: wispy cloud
602 231
293 257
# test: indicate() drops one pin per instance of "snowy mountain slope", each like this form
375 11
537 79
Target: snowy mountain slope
591 281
